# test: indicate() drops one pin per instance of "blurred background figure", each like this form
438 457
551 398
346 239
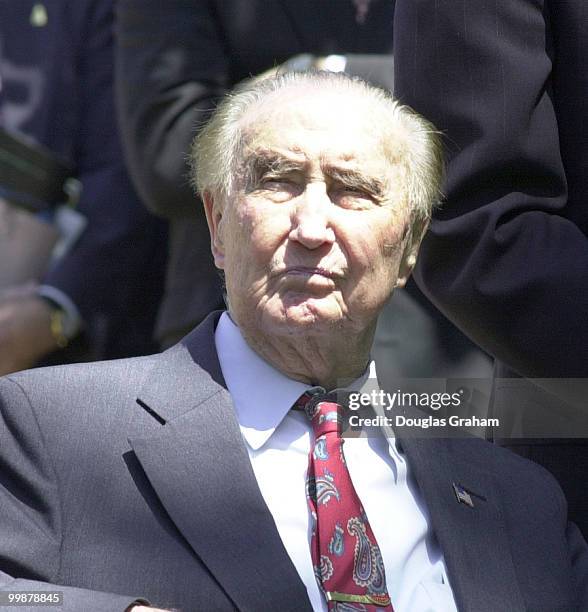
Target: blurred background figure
175 59
100 297
506 258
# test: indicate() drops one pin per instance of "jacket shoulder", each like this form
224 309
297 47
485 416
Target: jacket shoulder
59 388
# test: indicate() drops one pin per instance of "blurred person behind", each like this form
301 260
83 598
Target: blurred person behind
506 258
56 69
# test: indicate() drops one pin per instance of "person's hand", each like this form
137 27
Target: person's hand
25 329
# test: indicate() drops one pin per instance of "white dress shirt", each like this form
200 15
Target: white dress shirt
278 441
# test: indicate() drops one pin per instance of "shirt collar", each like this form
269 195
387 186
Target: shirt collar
262 395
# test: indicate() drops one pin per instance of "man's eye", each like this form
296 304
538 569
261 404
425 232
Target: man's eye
274 182
277 183
356 193
349 197
279 189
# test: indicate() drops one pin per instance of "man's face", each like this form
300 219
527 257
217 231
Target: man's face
314 237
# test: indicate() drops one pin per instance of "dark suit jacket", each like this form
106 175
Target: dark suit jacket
131 477
57 87
507 82
175 60
506 258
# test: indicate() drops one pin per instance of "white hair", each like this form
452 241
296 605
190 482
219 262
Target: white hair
217 149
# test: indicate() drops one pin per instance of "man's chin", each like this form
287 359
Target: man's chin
308 317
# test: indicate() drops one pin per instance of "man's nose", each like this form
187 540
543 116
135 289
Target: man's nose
311 225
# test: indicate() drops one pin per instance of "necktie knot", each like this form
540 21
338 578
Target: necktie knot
324 414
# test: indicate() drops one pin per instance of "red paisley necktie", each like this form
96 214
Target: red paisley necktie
347 561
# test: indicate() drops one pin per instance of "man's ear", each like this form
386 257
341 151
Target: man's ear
213 207
411 250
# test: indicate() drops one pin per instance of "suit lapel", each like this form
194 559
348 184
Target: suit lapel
199 468
473 539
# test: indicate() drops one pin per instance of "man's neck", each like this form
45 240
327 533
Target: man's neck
328 361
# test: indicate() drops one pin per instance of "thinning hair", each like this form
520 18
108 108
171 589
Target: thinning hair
218 147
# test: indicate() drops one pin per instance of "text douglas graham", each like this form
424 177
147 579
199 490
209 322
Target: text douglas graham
356 420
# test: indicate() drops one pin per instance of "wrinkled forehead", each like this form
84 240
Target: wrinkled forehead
311 122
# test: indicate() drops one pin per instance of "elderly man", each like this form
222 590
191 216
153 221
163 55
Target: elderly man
180 479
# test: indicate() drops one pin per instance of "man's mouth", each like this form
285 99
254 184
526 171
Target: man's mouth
311 271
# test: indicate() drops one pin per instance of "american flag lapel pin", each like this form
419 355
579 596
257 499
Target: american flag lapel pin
462 495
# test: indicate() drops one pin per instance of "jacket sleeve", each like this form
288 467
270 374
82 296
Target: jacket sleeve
172 66
506 258
30 518
105 271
